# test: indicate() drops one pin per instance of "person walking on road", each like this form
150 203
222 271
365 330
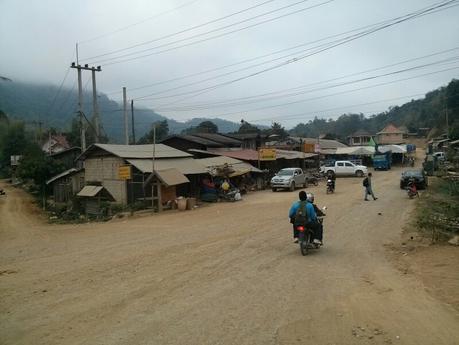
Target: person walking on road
368 188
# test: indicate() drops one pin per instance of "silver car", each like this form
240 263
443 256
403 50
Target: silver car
289 178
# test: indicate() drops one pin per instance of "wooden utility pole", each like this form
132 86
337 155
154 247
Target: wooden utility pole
126 129
95 105
132 120
79 68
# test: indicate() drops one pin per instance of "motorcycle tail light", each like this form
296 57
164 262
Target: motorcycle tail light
300 228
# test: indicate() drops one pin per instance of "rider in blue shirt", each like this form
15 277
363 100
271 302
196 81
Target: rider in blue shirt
312 217
310 212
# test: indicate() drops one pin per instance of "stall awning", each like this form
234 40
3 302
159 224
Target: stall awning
186 166
239 167
171 177
168 177
393 148
356 150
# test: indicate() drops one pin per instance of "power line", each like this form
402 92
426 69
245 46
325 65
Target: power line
333 94
300 115
236 103
324 96
340 42
182 31
213 37
205 39
139 22
204 80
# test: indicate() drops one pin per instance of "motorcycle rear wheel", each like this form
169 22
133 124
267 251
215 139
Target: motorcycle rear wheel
304 244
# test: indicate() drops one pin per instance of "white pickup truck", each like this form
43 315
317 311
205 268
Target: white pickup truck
289 178
344 168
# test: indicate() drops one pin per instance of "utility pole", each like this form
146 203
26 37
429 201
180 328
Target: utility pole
126 129
79 68
95 105
447 122
132 119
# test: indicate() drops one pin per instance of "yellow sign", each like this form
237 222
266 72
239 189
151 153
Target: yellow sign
267 154
124 172
308 148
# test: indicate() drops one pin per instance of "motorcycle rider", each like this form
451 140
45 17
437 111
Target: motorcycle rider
313 223
331 177
319 213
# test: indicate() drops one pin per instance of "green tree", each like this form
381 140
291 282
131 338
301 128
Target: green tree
37 166
207 127
74 134
13 142
3 117
247 128
162 131
279 130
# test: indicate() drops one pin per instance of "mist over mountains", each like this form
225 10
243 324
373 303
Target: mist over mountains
38 103
34 103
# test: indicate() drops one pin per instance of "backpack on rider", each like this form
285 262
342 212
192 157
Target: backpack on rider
301 216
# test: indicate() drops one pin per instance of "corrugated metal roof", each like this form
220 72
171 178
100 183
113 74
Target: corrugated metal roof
171 177
219 138
193 139
71 171
286 154
90 191
324 143
138 151
211 163
187 166
245 155
252 155
390 128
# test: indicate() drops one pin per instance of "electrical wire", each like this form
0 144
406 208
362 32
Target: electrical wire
138 23
345 40
333 94
183 31
264 99
209 38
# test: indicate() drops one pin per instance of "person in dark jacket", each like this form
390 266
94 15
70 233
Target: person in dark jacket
368 187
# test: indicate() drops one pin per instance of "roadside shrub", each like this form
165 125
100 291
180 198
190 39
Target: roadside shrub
438 211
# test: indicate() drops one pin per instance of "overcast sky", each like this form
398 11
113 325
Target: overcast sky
37 43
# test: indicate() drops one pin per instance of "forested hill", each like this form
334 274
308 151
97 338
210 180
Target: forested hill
35 103
428 112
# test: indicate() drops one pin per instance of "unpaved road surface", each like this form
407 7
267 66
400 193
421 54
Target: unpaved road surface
223 274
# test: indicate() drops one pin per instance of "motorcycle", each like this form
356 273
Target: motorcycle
305 239
412 191
313 179
232 195
330 186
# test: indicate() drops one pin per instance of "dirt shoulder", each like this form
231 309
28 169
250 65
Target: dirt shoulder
225 274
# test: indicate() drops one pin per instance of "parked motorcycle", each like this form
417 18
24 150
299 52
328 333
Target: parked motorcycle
411 190
330 186
313 179
231 195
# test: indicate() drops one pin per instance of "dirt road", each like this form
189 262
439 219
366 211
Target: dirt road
224 274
